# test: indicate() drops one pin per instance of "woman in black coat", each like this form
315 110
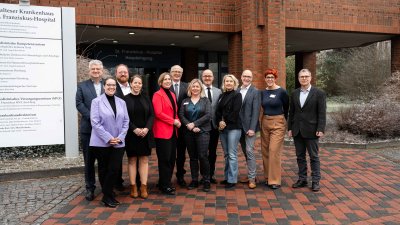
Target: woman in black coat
139 139
195 114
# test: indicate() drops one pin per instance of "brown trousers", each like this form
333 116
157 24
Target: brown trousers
272 136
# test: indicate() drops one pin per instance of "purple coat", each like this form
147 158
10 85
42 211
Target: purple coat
105 125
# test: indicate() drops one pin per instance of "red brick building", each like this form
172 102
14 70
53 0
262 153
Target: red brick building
232 35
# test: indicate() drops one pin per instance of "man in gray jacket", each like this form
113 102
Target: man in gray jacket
251 102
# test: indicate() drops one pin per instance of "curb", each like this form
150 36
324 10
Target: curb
376 145
25 175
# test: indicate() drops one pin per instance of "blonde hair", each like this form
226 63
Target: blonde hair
161 78
189 90
235 80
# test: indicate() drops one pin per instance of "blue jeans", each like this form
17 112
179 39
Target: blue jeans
247 144
230 140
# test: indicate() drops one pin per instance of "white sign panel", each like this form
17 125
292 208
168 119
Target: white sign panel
31 76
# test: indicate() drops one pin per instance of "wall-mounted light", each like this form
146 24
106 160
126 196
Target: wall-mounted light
196 36
172 44
131 33
115 41
24 2
97 26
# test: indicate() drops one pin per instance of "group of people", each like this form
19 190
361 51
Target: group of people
117 117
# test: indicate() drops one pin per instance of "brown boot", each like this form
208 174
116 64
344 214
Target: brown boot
134 192
143 191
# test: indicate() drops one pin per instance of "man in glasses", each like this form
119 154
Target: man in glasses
307 120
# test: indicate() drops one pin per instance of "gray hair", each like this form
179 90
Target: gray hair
305 71
95 62
176 67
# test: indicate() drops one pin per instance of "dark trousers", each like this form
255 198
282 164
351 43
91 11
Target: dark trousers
166 154
89 160
180 153
309 145
197 144
119 181
109 160
212 150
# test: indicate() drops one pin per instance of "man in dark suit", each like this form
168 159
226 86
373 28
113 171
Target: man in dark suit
86 92
122 89
249 115
307 119
212 94
180 90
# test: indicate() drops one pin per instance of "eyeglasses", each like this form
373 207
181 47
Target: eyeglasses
270 77
304 77
110 85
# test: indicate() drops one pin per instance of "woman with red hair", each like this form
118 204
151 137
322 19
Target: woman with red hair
275 104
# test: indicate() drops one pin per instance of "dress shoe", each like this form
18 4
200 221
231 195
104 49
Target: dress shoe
224 182
274 186
315 186
229 185
181 182
168 191
115 201
299 184
194 184
213 180
89 195
244 180
109 203
252 183
206 186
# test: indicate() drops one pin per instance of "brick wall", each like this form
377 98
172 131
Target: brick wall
235 57
349 15
215 15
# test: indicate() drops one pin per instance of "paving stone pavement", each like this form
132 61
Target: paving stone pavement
357 187
33 201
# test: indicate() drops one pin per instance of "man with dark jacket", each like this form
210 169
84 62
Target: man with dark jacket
86 92
307 119
180 89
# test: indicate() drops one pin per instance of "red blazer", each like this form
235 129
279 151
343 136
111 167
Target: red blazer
163 125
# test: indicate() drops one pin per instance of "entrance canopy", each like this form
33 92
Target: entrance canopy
303 40
203 41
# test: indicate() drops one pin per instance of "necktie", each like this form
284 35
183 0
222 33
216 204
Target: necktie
176 90
209 94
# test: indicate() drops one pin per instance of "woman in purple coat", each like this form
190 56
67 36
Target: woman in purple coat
110 123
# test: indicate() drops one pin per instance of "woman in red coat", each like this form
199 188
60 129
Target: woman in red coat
165 127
